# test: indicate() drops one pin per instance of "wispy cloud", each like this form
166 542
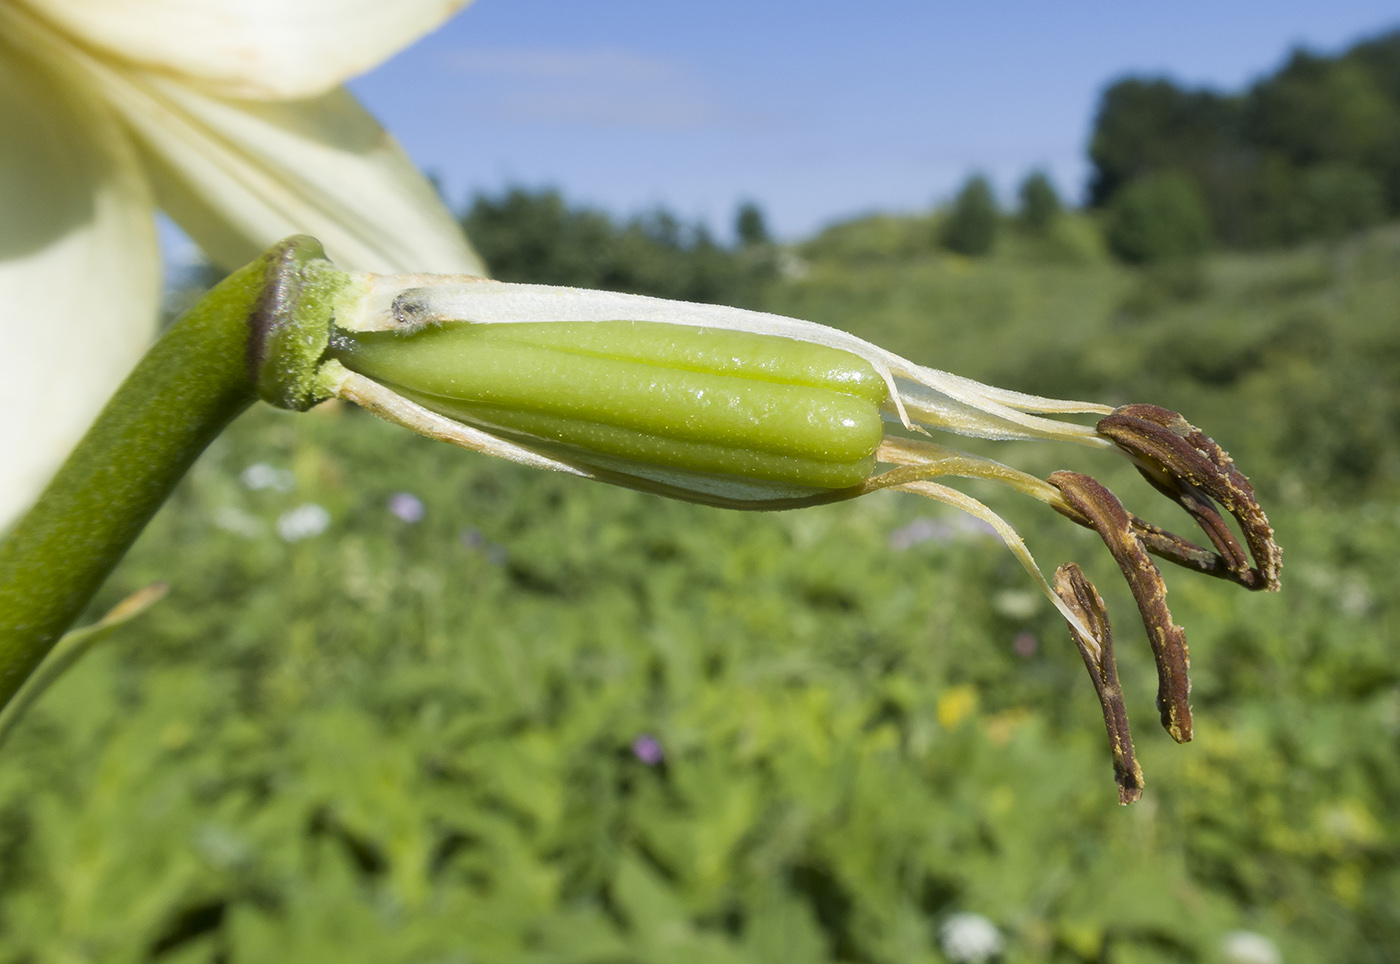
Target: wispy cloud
600 87
651 109
535 63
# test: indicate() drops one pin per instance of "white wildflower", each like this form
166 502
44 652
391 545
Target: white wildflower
303 522
1248 947
970 939
260 476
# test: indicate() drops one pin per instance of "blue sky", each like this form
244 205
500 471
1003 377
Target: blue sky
816 110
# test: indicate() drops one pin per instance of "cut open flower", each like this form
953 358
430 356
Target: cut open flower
746 410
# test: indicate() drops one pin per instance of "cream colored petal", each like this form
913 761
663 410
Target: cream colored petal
240 175
79 270
269 49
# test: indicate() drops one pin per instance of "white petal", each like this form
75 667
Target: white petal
79 270
240 175
272 49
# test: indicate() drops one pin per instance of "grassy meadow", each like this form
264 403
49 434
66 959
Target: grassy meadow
435 739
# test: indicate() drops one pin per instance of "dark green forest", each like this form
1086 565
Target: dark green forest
1309 151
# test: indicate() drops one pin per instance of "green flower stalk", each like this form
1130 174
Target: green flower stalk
730 408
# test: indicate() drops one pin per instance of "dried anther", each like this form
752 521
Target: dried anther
1193 471
1189 468
1079 594
1112 522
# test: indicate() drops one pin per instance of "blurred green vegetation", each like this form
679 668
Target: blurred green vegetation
1158 217
1310 151
398 740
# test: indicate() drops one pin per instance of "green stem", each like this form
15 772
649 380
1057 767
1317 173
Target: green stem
197 378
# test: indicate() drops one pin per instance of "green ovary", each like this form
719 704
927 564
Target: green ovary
756 406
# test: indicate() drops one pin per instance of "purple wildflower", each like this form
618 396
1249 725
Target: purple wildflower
407 507
647 748
1025 644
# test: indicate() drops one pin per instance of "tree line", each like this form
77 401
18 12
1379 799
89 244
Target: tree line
1310 151
535 236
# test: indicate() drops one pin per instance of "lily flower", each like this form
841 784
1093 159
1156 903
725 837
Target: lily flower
227 115
746 410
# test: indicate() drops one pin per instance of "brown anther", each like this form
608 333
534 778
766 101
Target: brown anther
1189 468
1179 550
1079 594
1114 525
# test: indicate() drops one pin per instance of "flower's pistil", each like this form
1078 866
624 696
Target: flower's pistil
619 394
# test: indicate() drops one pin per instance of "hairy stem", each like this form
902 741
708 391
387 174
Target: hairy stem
193 382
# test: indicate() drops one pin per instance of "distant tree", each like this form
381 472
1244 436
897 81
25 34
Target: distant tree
1381 58
533 236
1302 153
1335 200
665 229
971 228
1319 109
1159 217
1146 125
1149 125
1040 202
750 225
